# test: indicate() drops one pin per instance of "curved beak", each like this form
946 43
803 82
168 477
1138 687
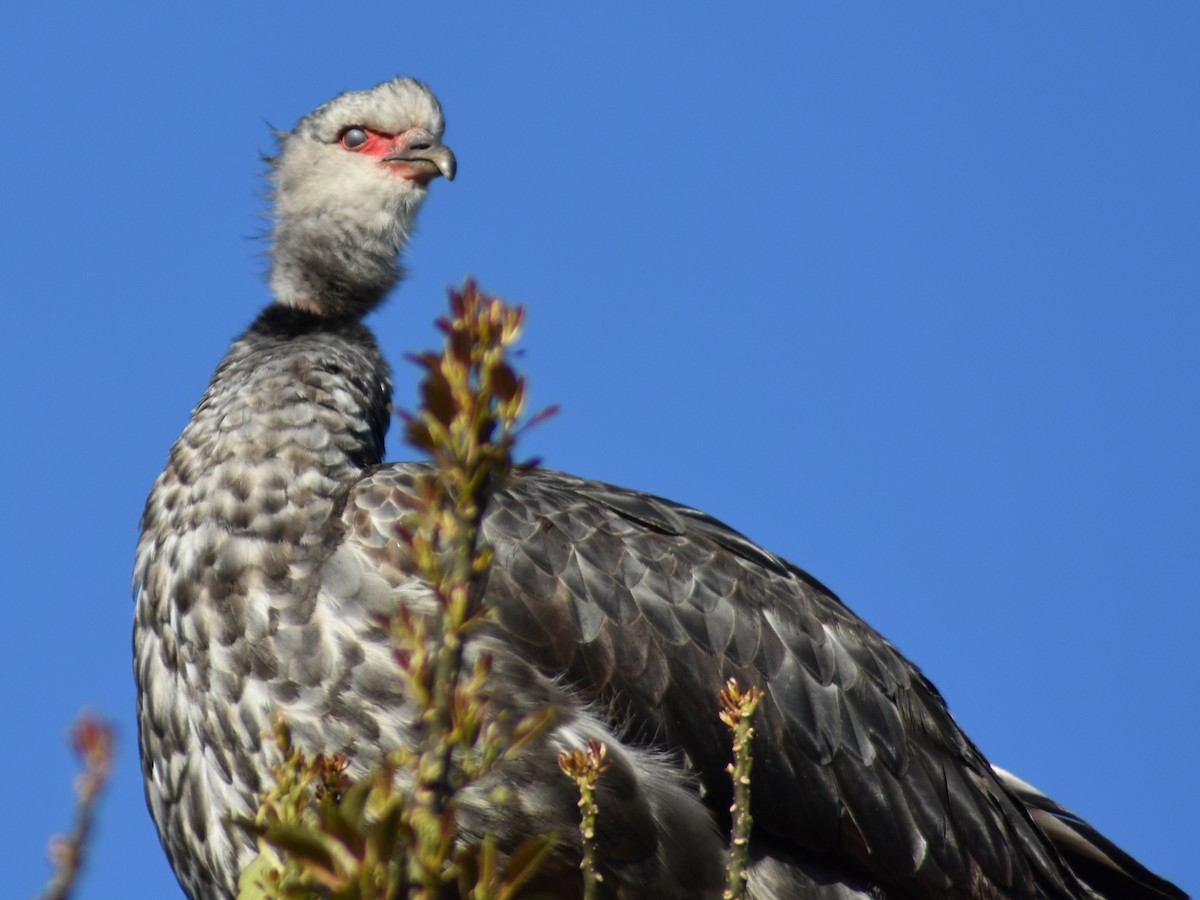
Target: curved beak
424 154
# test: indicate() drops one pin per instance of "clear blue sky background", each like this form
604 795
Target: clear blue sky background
907 293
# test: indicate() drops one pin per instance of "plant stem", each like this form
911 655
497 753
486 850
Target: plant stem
736 710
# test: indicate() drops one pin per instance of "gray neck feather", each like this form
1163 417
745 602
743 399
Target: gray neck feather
334 264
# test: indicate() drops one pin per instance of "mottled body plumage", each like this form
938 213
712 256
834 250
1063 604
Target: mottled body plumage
269 546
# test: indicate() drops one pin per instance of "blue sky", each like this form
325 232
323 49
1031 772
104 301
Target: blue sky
907 295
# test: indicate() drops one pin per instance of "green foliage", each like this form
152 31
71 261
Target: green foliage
472 402
317 831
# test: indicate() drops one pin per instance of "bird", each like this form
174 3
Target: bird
269 551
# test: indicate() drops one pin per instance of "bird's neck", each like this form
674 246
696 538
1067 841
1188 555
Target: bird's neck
341 263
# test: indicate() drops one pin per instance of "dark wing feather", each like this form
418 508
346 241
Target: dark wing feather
645 608
856 754
1102 864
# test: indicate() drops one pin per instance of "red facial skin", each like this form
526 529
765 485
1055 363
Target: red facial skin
380 145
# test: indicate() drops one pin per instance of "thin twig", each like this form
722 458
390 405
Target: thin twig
92 739
584 767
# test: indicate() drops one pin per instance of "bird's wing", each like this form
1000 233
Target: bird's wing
646 607
1102 864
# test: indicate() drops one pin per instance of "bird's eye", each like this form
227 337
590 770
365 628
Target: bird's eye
354 138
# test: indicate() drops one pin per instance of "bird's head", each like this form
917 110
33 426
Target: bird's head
348 182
